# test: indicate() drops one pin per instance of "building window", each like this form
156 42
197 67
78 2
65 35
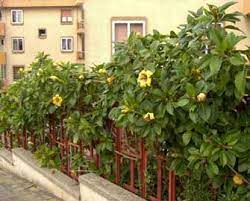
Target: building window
18 45
66 16
3 72
121 29
17 16
42 33
67 44
16 72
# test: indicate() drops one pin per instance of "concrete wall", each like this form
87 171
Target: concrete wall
162 15
35 18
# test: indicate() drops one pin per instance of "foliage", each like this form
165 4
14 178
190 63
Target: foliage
48 157
183 93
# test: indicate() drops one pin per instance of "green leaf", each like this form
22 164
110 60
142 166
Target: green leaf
186 137
190 89
170 108
223 158
182 102
215 65
213 168
240 82
205 112
237 60
226 5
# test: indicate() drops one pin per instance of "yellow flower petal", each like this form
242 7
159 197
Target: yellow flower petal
149 117
144 78
57 100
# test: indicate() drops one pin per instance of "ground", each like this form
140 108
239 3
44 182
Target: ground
13 188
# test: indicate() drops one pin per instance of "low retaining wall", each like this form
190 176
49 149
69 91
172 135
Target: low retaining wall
92 187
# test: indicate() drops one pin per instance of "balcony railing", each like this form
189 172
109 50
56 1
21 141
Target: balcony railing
2 29
246 7
80 55
80 27
2 58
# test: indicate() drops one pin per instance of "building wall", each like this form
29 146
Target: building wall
35 18
162 15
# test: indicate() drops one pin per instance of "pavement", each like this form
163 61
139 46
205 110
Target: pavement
13 188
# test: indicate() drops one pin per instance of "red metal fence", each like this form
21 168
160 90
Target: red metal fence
133 151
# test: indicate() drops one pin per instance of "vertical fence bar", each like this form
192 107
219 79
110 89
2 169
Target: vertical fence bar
131 186
25 139
118 145
5 140
11 141
171 186
143 168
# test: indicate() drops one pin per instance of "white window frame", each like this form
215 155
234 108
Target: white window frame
67 38
12 44
128 22
20 21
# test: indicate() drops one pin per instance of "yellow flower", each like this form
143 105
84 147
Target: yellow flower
81 77
201 97
110 79
149 116
57 100
238 180
125 109
20 70
144 78
102 71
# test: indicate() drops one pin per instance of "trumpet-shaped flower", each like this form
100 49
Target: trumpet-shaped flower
149 116
144 78
238 180
102 71
57 100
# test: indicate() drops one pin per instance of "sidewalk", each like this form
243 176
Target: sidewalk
13 188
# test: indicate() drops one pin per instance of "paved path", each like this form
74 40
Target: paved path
13 188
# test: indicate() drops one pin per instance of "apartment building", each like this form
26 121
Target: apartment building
30 26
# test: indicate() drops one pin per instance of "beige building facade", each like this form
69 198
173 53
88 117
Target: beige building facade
85 31
31 26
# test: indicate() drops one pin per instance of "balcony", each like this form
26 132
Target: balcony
80 27
246 7
80 55
2 29
2 58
